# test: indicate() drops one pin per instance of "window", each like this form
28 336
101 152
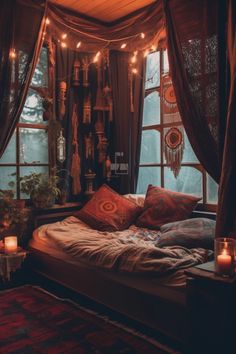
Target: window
27 150
157 121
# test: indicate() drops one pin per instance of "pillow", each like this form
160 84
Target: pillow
190 233
136 198
108 211
162 206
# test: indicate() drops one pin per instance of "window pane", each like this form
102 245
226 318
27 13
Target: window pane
40 77
150 147
33 109
151 109
5 173
189 155
165 62
33 146
25 171
188 181
153 70
148 175
9 155
212 191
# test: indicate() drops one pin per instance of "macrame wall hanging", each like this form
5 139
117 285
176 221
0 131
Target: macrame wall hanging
173 136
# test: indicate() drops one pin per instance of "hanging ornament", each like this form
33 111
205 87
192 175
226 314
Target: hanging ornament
174 136
173 148
61 148
87 109
76 72
62 99
85 69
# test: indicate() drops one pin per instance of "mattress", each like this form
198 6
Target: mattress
171 286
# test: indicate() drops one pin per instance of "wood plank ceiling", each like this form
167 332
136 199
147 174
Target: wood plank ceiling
104 10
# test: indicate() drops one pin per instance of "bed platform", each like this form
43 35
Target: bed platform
156 306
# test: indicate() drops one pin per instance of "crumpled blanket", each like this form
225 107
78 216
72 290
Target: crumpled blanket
132 250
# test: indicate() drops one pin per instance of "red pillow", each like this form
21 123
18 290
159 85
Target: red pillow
108 211
162 206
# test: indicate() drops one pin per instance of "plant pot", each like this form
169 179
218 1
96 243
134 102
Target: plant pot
20 203
43 201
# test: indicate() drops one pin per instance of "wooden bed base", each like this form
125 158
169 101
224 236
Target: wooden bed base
165 314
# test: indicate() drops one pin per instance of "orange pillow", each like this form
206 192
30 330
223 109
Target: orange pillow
162 206
108 211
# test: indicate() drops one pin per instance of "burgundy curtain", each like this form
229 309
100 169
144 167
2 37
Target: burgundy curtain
21 33
226 218
196 37
128 96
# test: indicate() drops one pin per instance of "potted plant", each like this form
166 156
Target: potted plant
12 218
41 188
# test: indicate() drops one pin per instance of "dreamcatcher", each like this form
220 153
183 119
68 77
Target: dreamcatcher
173 136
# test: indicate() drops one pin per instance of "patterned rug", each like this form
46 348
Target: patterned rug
35 321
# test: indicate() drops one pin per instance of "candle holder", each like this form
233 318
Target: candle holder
10 244
224 256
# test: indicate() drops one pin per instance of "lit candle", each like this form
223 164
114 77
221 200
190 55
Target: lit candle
224 262
10 244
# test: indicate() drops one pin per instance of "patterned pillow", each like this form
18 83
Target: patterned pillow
162 206
108 211
190 233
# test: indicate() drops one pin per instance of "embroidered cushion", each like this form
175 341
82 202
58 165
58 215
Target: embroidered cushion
190 233
108 211
162 206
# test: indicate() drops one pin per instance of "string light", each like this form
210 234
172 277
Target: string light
134 71
63 44
64 36
12 54
146 52
78 44
47 21
95 59
123 46
134 57
142 35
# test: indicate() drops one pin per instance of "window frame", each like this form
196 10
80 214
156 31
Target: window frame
17 164
202 205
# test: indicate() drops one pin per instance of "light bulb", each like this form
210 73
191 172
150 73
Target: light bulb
78 44
63 44
12 54
123 45
63 36
134 71
142 35
47 21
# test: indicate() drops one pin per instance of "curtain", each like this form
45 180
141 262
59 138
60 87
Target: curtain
192 49
128 96
95 35
226 218
22 24
136 123
122 116
204 82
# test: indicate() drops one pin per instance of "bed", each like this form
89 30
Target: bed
140 280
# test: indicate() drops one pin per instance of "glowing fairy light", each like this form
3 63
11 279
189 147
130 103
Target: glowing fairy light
142 35
63 44
12 54
95 59
123 46
134 71
146 52
64 36
47 21
78 44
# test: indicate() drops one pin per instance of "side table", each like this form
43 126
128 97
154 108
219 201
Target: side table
10 263
211 311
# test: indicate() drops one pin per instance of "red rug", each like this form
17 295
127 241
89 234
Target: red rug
34 321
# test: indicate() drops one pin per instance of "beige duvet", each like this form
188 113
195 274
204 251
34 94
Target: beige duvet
132 250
